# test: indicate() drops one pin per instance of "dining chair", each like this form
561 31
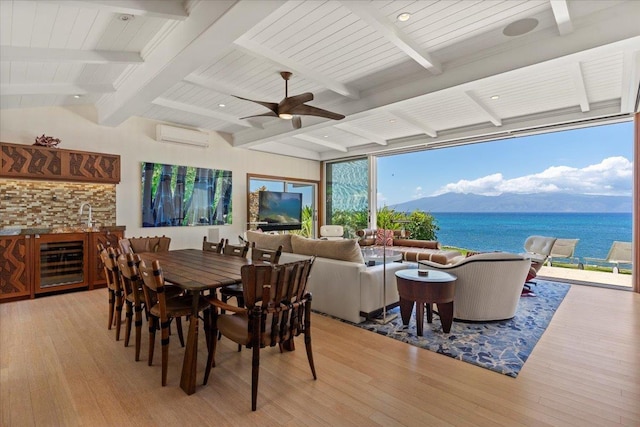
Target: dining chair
163 310
212 247
278 308
112 275
235 250
235 290
134 299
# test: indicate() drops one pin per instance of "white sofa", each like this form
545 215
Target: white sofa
488 285
340 288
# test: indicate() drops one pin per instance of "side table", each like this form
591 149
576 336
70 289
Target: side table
435 287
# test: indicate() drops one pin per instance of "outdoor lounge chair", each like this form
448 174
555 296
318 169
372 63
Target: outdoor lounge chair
564 249
619 253
538 249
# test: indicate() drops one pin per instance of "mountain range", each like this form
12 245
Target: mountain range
512 202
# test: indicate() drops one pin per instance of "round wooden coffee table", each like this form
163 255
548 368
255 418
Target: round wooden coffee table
436 287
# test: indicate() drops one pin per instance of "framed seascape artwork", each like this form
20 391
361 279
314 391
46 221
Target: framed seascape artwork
184 196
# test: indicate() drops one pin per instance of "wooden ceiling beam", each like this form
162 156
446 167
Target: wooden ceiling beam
167 9
205 112
54 89
321 142
561 14
35 54
368 13
253 48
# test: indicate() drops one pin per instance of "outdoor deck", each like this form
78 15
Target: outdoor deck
585 276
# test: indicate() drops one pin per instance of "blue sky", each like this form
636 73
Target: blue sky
595 160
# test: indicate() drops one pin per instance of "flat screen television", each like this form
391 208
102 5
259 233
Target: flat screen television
279 210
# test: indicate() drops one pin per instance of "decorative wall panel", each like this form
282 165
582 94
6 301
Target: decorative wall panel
36 162
184 196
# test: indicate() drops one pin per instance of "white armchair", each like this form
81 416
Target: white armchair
331 232
488 285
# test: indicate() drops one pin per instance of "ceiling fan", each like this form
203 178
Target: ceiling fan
292 107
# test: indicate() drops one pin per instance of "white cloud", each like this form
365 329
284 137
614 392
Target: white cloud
612 176
417 194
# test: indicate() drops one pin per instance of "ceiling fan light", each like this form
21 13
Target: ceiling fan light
285 116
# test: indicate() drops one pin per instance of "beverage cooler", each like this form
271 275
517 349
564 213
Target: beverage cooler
61 262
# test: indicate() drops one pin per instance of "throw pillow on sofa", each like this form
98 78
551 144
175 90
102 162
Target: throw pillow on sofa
270 241
344 250
382 235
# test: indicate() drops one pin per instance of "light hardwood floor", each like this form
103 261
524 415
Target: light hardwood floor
60 366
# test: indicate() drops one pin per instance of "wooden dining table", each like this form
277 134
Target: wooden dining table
196 271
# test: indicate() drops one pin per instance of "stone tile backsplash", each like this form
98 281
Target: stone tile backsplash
29 204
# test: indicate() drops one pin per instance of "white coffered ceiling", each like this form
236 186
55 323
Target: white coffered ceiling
429 81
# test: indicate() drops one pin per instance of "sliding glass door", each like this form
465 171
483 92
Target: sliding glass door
347 194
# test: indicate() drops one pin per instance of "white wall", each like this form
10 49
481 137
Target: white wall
134 141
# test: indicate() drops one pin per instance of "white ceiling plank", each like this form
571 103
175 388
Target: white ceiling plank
167 9
189 108
321 142
36 54
24 14
561 14
581 89
217 86
424 127
54 89
362 133
483 108
255 49
212 27
381 24
6 22
631 75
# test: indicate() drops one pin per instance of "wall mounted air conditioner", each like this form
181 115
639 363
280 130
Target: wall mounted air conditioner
176 135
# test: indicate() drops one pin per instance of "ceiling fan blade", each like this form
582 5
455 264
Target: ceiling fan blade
297 122
308 110
293 101
270 105
269 114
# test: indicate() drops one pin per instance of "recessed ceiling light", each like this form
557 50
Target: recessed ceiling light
126 17
404 17
221 105
77 96
392 121
326 136
520 27
495 97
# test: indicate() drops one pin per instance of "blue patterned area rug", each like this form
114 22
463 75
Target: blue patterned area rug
501 346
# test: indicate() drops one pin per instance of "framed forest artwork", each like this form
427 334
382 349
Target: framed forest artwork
184 196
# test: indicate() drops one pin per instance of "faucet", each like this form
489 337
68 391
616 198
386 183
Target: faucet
89 222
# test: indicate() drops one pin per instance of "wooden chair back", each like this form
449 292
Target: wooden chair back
266 255
278 308
125 246
212 247
153 289
129 277
235 250
111 272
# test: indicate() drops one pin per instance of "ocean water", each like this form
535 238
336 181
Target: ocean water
508 231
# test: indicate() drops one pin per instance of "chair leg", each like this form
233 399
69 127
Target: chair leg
112 303
153 325
165 350
179 328
119 302
138 323
255 372
127 328
213 343
307 340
